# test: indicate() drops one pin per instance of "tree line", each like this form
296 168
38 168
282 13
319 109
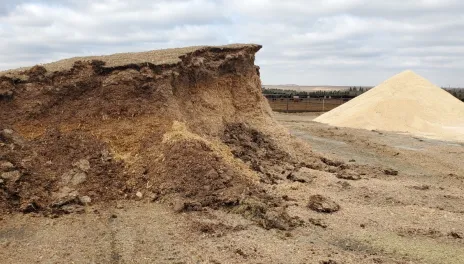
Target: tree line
456 92
346 93
351 92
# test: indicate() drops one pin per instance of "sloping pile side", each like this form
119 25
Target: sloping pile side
195 130
404 103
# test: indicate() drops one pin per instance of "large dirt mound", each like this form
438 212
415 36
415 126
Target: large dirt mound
405 103
194 131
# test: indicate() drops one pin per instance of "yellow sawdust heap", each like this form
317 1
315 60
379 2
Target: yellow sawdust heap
407 103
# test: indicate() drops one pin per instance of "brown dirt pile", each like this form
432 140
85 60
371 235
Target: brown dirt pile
195 129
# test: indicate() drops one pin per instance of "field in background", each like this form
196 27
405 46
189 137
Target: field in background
307 88
291 105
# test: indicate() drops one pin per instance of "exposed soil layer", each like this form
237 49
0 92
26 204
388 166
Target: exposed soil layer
188 127
128 130
49 166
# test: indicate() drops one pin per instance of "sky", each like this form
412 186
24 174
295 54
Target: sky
311 42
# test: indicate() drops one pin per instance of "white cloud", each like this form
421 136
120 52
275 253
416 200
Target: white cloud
352 42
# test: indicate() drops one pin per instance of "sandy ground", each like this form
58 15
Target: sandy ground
413 217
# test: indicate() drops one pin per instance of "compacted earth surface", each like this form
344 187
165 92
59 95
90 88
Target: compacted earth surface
401 201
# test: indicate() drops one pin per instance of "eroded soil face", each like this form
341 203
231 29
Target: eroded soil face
138 131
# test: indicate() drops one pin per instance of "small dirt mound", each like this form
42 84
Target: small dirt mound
348 175
267 212
267 157
199 170
259 152
322 204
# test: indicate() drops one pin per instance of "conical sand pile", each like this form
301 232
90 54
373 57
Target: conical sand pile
404 103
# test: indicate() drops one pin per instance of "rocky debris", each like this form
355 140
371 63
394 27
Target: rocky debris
267 214
344 184
11 175
10 136
153 196
332 162
73 177
186 206
72 208
6 133
139 195
30 207
302 175
456 235
428 232
78 174
85 200
318 222
423 187
348 175
330 261
215 228
322 204
106 155
279 219
67 200
390 172
178 206
6 166
65 196
6 92
83 165
261 152
288 199
241 253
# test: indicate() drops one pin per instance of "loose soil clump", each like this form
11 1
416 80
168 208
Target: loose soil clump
322 204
